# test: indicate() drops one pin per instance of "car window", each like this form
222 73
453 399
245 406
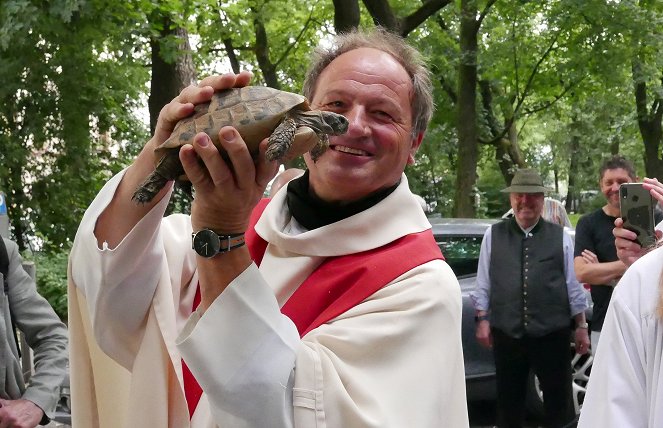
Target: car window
461 253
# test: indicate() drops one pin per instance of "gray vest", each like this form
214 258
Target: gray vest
528 293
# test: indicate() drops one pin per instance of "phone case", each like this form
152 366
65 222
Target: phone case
637 210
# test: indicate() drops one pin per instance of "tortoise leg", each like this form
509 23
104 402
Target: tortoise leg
281 139
321 147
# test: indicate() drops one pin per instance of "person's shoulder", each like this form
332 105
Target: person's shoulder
640 286
592 214
11 246
589 219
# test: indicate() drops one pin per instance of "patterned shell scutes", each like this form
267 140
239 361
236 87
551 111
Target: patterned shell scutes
253 110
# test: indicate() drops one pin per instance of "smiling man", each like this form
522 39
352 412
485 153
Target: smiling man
328 305
525 299
596 260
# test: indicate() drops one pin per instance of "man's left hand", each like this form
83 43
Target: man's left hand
582 341
19 414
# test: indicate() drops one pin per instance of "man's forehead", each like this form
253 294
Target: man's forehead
616 174
527 193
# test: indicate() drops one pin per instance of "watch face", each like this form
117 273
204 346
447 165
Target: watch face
206 243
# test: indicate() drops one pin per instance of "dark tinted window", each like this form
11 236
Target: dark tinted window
461 252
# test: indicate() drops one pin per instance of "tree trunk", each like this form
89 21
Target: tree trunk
572 192
650 124
346 15
168 78
262 52
468 147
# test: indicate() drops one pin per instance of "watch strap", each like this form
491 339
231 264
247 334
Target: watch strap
230 242
582 325
479 318
226 242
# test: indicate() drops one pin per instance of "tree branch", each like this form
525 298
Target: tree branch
557 98
521 99
299 36
383 15
446 86
484 12
427 9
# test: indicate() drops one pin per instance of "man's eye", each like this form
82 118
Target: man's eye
383 114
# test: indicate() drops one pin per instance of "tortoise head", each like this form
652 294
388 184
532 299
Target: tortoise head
323 122
336 124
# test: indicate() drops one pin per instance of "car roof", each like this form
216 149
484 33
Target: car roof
461 226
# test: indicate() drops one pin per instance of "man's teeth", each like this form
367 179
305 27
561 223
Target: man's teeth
350 150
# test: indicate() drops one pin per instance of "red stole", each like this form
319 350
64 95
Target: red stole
337 285
192 390
340 283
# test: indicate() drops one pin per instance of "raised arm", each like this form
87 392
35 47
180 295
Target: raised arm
122 214
628 250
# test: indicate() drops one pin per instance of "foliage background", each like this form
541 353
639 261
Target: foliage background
558 85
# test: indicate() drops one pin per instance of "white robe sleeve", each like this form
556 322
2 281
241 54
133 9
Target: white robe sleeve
394 360
617 394
119 283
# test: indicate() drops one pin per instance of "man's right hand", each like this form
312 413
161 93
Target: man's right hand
483 334
122 214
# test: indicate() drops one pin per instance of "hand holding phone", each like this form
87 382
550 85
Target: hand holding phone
636 206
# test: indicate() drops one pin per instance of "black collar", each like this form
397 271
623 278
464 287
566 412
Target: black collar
312 212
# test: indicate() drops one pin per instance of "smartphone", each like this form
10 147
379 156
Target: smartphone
636 205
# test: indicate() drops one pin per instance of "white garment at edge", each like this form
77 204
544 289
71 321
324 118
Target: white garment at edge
626 385
394 360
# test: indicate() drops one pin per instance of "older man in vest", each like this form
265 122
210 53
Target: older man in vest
526 295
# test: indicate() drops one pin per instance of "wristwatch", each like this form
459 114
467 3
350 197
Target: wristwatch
208 243
582 325
479 318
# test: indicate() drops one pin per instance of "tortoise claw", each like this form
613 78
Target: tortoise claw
320 148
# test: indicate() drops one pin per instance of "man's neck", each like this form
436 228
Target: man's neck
526 227
611 211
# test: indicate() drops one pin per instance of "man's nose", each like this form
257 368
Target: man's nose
357 122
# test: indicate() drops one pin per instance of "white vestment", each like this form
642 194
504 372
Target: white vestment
626 384
394 360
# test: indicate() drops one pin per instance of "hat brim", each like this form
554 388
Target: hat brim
526 189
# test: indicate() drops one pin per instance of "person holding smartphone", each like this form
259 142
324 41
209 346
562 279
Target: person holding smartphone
626 385
596 262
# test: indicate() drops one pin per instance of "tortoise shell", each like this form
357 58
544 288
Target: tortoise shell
254 111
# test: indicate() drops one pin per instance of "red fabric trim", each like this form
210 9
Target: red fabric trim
255 243
192 389
341 283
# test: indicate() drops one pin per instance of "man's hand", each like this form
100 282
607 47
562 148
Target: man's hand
19 414
483 334
582 341
655 188
589 256
628 249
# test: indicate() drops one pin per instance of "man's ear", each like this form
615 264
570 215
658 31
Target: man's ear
416 143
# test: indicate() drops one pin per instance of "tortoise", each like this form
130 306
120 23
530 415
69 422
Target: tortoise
257 112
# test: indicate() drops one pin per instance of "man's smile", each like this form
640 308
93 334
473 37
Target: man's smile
350 150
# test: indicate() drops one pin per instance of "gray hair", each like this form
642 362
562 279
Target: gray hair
409 58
